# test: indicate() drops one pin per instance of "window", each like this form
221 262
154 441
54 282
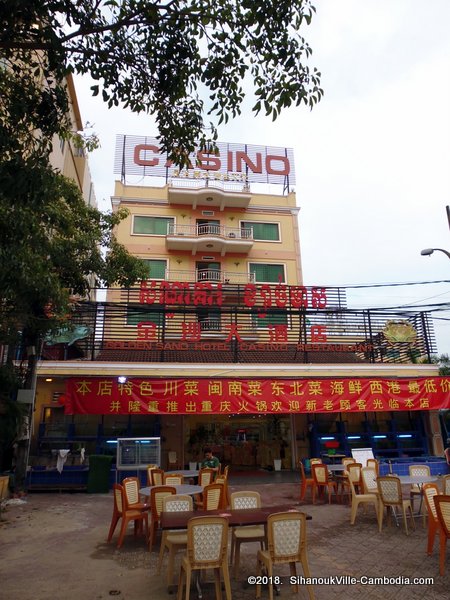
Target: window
137 315
156 268
267 273
151 225
270 318
263 231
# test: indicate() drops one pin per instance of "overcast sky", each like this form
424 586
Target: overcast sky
372 159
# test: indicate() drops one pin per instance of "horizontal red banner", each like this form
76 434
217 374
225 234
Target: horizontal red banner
103 396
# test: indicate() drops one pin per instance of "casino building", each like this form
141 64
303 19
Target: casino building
222 345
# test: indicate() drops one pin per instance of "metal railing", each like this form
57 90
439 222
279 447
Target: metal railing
239 233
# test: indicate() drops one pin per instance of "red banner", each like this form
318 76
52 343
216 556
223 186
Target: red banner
104 396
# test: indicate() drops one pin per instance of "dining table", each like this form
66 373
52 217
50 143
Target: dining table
184 488
236 517
418 480
186 473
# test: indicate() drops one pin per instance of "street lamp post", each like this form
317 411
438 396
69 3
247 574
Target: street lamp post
429 251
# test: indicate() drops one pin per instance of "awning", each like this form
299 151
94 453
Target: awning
223 396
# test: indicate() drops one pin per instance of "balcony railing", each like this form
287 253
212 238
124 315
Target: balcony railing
209 275
226 186
238 233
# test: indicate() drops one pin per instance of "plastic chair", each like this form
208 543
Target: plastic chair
430 490
131 487
205 477
206 549
348 460
225 499
246 533
322 481
157 476
212 497
172 541
127 514
149 473
358 499
372 462
305 482
416 490
315 461
352 473
446 484
286 536
442 504
369 481
157 494
173 479
390 490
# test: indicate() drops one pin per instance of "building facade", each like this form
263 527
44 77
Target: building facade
223 345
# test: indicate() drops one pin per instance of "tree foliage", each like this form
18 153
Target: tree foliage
177 59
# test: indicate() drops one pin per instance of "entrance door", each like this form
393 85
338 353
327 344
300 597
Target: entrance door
208 227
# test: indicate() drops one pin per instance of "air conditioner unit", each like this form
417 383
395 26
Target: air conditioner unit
231 235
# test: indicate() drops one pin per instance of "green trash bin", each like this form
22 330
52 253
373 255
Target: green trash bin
98 476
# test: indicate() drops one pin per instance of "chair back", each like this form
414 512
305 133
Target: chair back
157 476
207 541
369 480
286 536
118 498
372 462
245 499
430 490
419 470
157 494
177 502
354 472
446 484
348 460
149 473
319 473
131 487
225 471
442 504
173 479
390 490
205 477
315 461
213 496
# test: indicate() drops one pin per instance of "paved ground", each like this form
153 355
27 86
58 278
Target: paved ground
53 547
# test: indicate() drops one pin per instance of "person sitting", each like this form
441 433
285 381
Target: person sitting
210 461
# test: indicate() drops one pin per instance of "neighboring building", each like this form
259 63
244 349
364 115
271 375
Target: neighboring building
223 345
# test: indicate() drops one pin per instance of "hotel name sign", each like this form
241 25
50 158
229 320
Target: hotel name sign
140 155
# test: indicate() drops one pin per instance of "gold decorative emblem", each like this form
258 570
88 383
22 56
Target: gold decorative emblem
399 331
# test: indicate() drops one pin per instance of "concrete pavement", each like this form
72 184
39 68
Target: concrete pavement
54 547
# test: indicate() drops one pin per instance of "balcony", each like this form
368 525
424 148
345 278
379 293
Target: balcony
210 192
208 238
210 276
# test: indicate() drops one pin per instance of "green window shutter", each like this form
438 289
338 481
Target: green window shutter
263 231
156 269
151 225
270 319
267 273
136 315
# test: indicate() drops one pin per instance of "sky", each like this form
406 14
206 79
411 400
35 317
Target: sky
372 158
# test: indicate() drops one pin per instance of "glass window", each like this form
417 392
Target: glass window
151 225
156 268
267 273
263 231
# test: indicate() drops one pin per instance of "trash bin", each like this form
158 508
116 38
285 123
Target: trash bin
98 476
